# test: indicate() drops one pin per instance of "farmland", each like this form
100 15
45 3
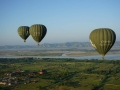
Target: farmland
61 74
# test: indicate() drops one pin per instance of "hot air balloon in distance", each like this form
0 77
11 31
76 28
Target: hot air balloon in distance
102 39
23 32
38 32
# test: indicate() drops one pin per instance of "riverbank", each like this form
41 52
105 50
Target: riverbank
91 53
107 57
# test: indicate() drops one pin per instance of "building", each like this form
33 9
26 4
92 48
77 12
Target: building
43 72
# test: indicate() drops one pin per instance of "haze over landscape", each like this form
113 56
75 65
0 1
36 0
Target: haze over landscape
65 59
66 20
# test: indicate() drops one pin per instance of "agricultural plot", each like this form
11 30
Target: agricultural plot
59 74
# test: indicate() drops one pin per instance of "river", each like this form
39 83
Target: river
107 57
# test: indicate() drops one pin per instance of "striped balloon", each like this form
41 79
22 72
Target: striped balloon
38 32
102 39
23 32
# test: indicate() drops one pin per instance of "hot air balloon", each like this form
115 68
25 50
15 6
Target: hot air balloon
102 39
38 32
23 32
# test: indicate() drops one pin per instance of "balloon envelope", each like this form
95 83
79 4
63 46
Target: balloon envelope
102 39
38 32
23 32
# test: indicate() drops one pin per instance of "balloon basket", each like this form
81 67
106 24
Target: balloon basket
38 44
102 58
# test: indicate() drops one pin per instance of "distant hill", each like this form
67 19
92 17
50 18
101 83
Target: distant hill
54 45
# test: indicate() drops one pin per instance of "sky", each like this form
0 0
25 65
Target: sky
65 20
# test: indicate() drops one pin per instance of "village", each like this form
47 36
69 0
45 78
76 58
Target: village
21 77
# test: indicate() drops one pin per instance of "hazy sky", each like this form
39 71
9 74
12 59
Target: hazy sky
66 20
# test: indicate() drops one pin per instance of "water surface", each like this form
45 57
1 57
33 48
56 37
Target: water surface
107 57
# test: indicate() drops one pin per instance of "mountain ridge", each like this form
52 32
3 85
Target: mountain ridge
54 45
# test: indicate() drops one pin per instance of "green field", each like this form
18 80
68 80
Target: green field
62 74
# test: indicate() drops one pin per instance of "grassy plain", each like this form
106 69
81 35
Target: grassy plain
64 74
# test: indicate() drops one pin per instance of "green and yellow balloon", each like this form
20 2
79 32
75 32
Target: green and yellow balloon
23 32
38 32
102 39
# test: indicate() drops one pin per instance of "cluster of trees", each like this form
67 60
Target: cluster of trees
102 72
15 60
